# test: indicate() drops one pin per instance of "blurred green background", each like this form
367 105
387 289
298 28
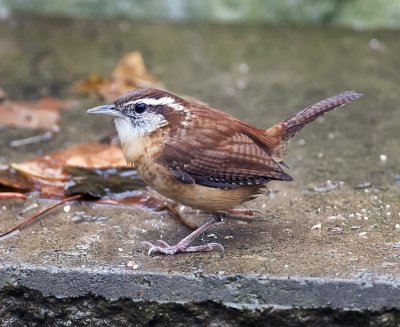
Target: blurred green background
357 14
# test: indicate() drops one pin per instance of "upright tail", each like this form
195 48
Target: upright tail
281 133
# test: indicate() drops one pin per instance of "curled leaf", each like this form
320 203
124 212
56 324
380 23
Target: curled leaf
29 115
92 155
129 73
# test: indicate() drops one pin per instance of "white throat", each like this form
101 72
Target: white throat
132 129
126 131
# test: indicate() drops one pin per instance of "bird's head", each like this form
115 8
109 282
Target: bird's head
143 111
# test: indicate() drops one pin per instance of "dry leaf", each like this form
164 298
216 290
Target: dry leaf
40 114
92 84
3 94
29 115
13 180
102 157
12 195
130 73
48 174
91 155
132 69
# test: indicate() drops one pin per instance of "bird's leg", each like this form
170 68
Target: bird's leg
171 208
184 245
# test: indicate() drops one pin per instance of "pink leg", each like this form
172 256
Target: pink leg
184 245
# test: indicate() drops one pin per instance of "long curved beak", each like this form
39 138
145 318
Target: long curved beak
108 109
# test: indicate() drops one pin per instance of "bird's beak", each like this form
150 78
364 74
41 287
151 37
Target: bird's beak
108 109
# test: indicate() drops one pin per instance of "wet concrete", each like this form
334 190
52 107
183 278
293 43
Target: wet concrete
351 264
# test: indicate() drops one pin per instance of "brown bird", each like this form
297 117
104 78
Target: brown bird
202 157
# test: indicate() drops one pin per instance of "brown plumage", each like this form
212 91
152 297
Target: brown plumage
202 157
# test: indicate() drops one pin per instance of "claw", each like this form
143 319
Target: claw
216 246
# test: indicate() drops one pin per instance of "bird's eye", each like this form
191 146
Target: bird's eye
140 107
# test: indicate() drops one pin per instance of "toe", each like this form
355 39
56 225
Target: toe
216 246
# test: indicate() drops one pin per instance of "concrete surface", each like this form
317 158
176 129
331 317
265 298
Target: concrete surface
277 269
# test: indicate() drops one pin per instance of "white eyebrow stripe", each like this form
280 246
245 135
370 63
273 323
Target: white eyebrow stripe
154 102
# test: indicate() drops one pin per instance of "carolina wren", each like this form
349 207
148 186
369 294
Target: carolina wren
202 157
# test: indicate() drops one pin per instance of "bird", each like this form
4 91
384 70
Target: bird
202 157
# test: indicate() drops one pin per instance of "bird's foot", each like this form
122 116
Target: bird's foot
164 248
184 246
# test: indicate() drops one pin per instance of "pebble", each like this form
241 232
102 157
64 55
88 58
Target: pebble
331 136
132 264
338 217
241 84
383 157
374 44
67 208
316 227
244 68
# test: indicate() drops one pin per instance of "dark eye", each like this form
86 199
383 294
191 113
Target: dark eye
140 107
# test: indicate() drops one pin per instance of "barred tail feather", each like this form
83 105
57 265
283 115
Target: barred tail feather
282 132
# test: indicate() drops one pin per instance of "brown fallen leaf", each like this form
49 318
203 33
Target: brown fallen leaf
101 156
11 179
90 85
130 73
12 195
48 174
3 95
132 69
40 114
29 115
91 155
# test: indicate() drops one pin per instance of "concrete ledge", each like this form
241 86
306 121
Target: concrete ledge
167 294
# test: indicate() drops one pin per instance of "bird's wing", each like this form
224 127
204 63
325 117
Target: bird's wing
220 160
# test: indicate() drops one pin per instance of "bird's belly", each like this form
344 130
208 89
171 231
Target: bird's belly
194 195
